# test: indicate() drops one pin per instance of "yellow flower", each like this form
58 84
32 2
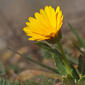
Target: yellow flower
45 25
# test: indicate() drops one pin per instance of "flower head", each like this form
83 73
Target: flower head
44 25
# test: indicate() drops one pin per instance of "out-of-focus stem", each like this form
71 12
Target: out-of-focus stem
36 62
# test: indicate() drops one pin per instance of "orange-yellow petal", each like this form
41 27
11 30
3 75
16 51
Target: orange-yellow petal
44 25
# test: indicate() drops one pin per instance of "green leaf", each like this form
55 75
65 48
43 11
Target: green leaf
72 60
57 56
79 49
81 66
59 65
42 45
45 54
75 73
80 40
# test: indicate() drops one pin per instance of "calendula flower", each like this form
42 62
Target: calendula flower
44 25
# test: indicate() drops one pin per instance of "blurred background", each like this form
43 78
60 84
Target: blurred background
14 14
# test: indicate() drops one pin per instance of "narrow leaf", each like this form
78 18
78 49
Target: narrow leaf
80 40
81 66
79 49
57 57
35 61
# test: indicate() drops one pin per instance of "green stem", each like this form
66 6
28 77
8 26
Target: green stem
70 69
36 62
65 61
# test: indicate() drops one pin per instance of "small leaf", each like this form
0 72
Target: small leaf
43 45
